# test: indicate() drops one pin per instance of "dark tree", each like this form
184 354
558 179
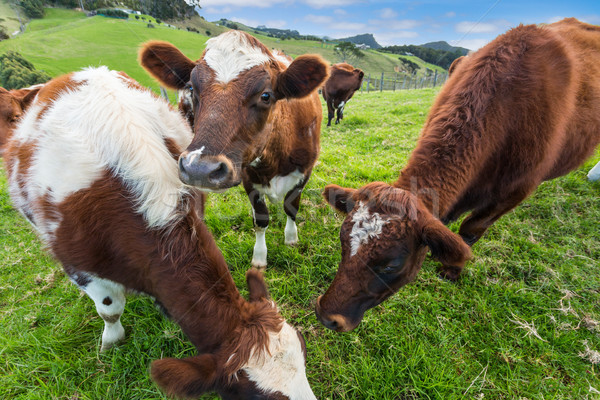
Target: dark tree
348 52
16 72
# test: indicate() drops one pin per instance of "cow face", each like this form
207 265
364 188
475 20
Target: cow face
384 241
265 361
12 105
235 87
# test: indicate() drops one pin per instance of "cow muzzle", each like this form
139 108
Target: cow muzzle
335 322
212 173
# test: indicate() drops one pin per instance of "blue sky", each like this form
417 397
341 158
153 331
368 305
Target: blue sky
469 24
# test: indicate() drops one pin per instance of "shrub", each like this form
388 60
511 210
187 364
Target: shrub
16 72
111 12
207 33
33 8
150 25
3 34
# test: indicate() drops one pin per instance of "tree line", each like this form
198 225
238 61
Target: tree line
163 9
440 58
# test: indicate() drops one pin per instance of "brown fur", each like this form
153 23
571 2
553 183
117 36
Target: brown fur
521 110
13 104
101 233
234 125
343 81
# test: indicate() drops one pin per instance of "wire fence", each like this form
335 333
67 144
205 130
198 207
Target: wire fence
398 81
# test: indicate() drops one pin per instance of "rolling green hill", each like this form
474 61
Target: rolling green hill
67 40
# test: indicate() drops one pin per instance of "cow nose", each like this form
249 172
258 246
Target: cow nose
335 322
205 172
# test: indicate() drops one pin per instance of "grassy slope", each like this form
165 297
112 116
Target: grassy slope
66 40
538 265
10 20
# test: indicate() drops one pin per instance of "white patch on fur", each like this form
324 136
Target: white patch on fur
259 256
291 232
281 57
195 154
594 173
366 226
279 186
281 368
98 289
103 124
255 162
230 53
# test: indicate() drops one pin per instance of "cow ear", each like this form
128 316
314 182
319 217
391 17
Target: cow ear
339 198
360 74
305 74
257 287
187 377
28 97
445 245
166 63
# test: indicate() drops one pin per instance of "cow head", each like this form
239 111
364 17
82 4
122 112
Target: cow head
250 368
12 105
384 241
235 87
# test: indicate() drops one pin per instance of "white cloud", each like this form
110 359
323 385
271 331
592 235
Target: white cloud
388 13
277 24
471 44
248 22
318 19
394 38
329 3
240 3
450 14
395 24
478 27
340 12
215 10
350 26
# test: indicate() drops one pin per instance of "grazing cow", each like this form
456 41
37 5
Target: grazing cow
257 120
93 166
343 81
522 110
12 105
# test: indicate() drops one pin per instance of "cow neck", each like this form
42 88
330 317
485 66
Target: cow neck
196 288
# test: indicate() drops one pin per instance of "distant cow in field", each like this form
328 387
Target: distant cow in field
93 166
256 120
13 104
522 110
343 81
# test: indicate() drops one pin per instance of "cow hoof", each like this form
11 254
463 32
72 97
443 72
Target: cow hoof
293 242
449 272
259 264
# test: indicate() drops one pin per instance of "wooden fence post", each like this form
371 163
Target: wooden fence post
404 82
368 83
381 84
435 78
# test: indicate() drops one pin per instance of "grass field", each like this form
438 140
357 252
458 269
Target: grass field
67 40
522 322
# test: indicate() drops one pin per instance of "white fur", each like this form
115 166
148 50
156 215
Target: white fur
281 369
103 124
279 186
281 57
291 232
594 173
230 53
98 289
366 226
259 257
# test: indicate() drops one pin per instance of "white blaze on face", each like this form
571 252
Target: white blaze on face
230 53
366 226
281 369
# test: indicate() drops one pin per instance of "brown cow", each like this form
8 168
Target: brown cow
343 81
93 166
13 104
257 120
521 110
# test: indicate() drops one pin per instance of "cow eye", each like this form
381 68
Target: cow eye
265 97
189 88
393 266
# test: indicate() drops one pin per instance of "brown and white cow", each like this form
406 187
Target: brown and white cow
343 81
521 110
13 104
93 166
257 120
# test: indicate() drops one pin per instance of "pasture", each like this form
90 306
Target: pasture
522 322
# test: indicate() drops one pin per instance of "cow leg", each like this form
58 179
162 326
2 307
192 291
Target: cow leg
340 112
330 112
260 216
109 298
291 204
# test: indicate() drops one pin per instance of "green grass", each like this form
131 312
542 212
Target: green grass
67 40
8 18
537 266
